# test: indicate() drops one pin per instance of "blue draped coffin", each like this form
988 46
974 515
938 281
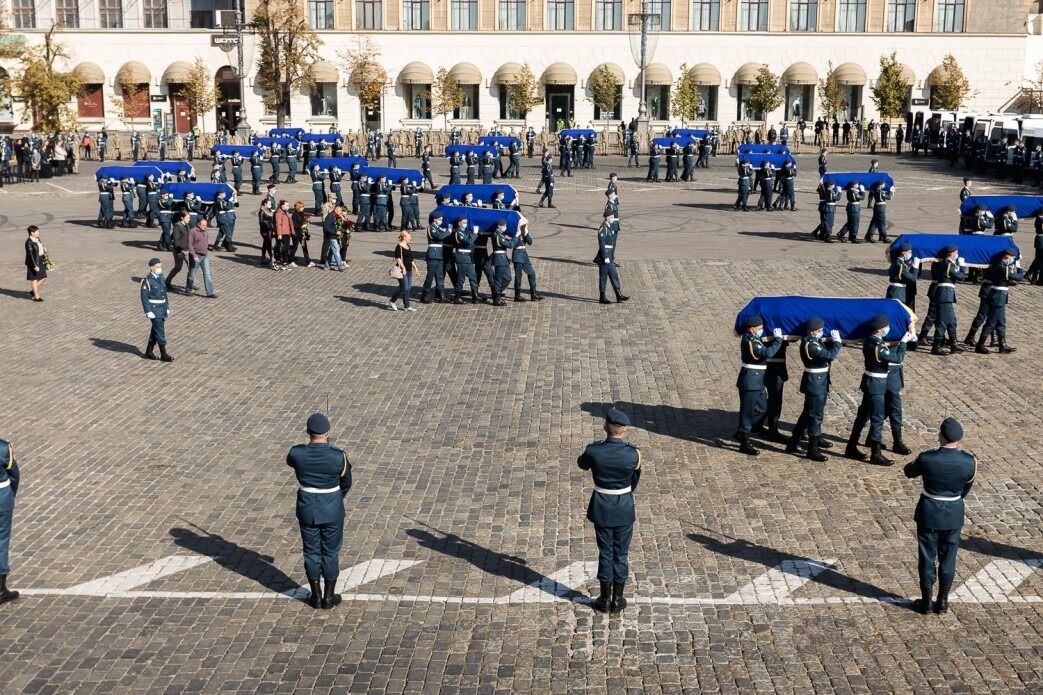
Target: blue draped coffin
207 192
344 163
843 178
499 140
281 141
479 150
978 250
394 174
1024 205
849 315
172 167
285 132
328 138
698 133
763 149
777 160
576 132
681 141
483 193
484 218
245 151
136 172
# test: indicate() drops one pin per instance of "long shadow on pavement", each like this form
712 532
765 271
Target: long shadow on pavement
998 549
236 558
491 562
362 302
116 346
748 551
17 294
709 427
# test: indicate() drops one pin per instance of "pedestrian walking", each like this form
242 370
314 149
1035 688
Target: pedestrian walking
35 262
402 271
198 258
179 239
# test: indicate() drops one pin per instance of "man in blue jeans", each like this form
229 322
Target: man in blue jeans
197 258
330 243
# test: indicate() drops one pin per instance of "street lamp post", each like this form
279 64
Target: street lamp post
242 128
642 22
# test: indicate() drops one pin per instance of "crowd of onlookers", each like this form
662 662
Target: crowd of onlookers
30 156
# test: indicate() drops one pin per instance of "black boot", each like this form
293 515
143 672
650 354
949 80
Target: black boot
150 351
474 296
330 597
518 295
5 593
604 299
533 296
745 447
823 443
813 452
439 296
936 346
620 297
954 347
877 458
165 356
1004 348
425 298
793 446
618 602
315 598
899 446
921 338
980 347
852 451
457 299
603 602
923 604
498 300
992 340
969 340
942 604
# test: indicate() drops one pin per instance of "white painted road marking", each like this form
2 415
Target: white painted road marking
139 576
554 587
996 582
371 570
779 582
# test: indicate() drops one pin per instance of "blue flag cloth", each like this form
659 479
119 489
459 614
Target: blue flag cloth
483 193
136 172
978 250
328 138
484 218
576 132
170 166
344 163
499 140
479 150
393 175
843 178
1024 205
849 315
207 192
245 151
681 140
755 160
763 149
282 141
295 133
698 133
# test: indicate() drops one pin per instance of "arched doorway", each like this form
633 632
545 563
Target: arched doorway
229 99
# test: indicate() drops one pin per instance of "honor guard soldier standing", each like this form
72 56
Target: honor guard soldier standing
9 477
823 165
745 179
817 356
318 186
547 181
655 153
392 155
324 478
608 233
904 269
754 352
166 221
425 166
501 278
878 356
947 268
878 198
530 141
190 145
948 474
522 264
336 175
418 141
106 199
435 256
156 305
255 171
463 257
291 162
1001 273
615 467
274 158
135 146
855 195
237 171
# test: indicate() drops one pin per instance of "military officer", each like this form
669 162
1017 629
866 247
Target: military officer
947 268
488 165
194 205
151 201
255 171
765 179
613 184
190 145
948 474
425 167
608 234
471 166
1007 225
612 205
437 233
336 175
788 182
672 154
632 156
291 162
455 161
135 146
464 239
566 156
410 199
225 221
141 188
688 162
530 141
547 180
817 355
775 378
156 305
274 159
877 355
9 478
418 141
878 198
823 165
237 171
522 264
1001 273
655 153
318 186
392 154
855 195
514 157
324 478
903 270
754 351
703 162
166 212
378 142
501 278
127 196
379 197
365 215
106 198
745 181
615 466
162 146
103 141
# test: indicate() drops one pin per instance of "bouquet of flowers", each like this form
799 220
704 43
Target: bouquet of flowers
48 263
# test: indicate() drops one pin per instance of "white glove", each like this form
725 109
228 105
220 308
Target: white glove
1017 263
961 261
150 315
777 333
916 263
834 335
907 337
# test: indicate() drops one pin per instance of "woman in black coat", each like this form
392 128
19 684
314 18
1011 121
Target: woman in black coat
35 270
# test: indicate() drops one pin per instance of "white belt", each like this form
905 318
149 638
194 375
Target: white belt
320 490
755 366
896 284
776 360
7 483
157 301
875 375
434 246
945 284
463 250
999 289
816 370
504 252
621 491
941 498
609 246
832 204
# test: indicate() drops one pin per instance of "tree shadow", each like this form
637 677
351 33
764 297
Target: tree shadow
362 302
748 551
492 562
997 549
236 558
17 294
116 346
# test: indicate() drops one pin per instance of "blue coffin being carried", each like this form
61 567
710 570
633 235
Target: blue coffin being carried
776 160
978 250
137 173
295 133
697 133
172 168
1023 205
849 315
478 150
843 178
763 149
342 163
503 141
206 192
245 151
482 192
393 175
575 133
484 218
328 138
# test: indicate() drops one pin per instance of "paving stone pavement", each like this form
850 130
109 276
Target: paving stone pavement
463 424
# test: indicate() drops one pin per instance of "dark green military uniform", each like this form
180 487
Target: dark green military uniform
816 355
878 357
754 351
8 489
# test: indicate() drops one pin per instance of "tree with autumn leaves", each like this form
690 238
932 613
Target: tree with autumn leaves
287 47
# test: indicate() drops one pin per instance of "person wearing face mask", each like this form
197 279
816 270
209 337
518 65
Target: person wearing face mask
1001 273
501 265
817 355
225 222
878 356
904 269
878 198
463 240
944 271
605 259
754 351
1008 224
156 305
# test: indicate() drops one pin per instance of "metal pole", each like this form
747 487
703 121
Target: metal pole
642 109
242 127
